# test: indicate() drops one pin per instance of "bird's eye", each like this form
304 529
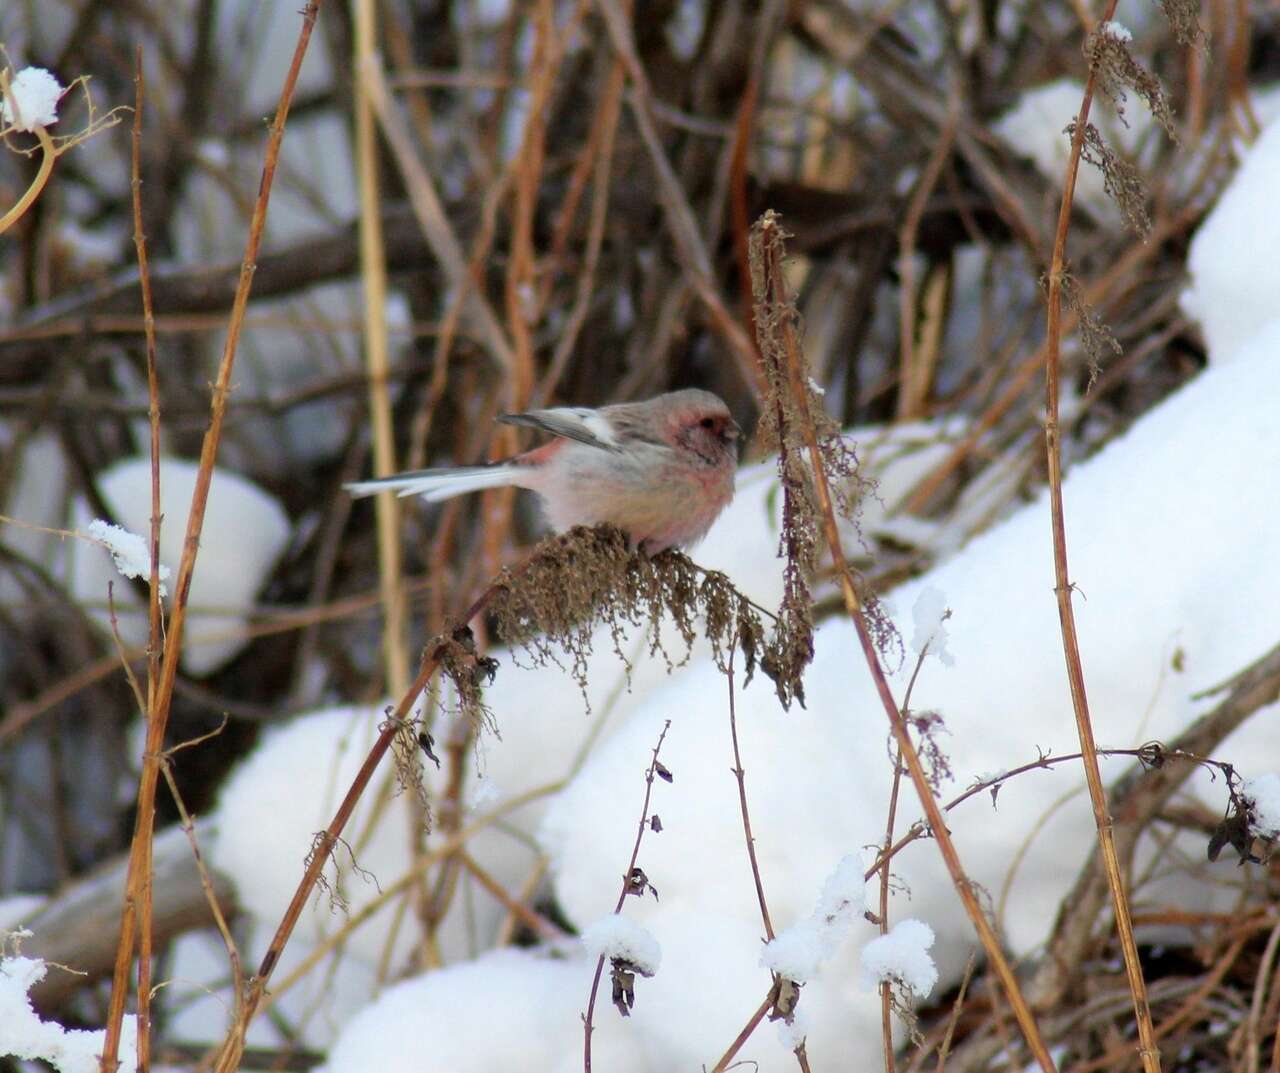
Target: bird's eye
708 422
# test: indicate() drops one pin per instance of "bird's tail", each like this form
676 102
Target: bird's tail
435 485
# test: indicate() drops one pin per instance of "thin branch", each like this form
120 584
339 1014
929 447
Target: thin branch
741 775
628 887
373 276
1147 1050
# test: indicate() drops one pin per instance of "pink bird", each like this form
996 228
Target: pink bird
661 470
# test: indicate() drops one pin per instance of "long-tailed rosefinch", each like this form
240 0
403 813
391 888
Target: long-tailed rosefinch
660 470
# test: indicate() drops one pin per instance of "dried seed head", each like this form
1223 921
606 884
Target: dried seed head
1107 51
1120 179
580 580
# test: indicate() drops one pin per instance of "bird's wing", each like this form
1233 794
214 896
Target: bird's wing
573 423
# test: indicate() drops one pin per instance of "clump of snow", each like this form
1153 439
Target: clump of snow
1235 277
32 100
901 957
24 1035
1115 30
929 614
618 936
128 550
245 530
800 950
508 1009
1263 793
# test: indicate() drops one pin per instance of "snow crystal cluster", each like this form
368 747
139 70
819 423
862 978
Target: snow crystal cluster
618 936
929 614
128 550
32 100
1263 794
798 952
901 957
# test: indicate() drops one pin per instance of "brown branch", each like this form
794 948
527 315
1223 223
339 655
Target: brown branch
1148 1051
744 1035
155 620
740 774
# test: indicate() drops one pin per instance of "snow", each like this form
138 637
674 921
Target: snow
128 551
245 530
1116 31
24 1035
929 614
798 952
508 1009
32 100
901 957
1235 278
1263 793
618 936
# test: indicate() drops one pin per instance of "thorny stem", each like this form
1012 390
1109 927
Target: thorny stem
741 776
137 888
1062 588
772 244
155 620
622 895
886 1006
886 994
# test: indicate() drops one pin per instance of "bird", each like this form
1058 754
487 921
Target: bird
661 470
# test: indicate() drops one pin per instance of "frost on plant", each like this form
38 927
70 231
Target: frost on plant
128 550
31 100
799 951
1263 797
929 615
620 938
902 959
